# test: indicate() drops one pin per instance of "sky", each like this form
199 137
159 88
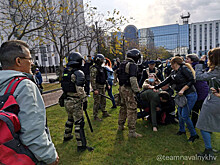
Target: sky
150 13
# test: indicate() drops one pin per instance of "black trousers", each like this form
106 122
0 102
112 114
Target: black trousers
197 107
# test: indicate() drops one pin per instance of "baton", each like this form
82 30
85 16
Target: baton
104 96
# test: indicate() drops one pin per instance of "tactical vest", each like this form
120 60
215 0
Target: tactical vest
66 83
101 76
123 76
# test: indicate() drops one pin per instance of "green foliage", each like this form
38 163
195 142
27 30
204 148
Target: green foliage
155 52
115 148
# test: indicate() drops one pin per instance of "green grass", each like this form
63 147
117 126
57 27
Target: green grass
50 86
115 148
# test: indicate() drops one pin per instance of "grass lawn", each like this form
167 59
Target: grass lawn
115 148
50 86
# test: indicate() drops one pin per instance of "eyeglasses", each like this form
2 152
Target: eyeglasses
30 59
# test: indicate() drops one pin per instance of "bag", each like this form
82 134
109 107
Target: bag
181 101
61 99
12 151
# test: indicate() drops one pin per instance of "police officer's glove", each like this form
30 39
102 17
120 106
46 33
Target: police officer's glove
85 104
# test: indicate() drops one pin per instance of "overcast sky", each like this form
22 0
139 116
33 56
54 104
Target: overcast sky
150 13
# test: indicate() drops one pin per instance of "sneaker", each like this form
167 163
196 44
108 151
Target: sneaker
65 139
97 119
207 155
180 133
106 114
155 129
83 148
193 138
134 135
121 127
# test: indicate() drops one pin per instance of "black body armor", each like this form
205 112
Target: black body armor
124 78
101 75
66 83
122 75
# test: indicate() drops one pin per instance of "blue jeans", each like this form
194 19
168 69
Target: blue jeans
184 113
207 139
110 82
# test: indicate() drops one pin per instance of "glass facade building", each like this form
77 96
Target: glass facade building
172 37
181 39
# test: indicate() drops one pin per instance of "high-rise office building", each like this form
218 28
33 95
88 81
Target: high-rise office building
203 36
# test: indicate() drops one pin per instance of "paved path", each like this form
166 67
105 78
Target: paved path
48 76
52 98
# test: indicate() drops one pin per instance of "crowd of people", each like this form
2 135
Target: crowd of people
148 85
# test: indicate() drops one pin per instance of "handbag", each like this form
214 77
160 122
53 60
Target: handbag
181 101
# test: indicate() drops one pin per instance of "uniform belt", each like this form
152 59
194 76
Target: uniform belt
73 95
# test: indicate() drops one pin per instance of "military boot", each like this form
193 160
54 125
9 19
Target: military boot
134 135
97 118
105 114
65 139
83 148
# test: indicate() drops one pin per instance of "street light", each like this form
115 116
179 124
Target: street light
97 35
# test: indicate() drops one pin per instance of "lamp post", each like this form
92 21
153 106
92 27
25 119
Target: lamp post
123 45
97 35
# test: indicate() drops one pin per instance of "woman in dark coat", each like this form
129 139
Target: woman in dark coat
182 79
202 89
209 118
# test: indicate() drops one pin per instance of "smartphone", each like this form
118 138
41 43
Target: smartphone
215 83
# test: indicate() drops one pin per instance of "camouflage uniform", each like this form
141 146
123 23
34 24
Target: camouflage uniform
99 101
74 108
128 103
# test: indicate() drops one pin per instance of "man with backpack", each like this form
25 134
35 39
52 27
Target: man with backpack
34 134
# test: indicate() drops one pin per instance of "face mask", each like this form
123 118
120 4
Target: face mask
151 80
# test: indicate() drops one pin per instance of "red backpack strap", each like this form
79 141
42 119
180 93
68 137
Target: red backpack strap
13 84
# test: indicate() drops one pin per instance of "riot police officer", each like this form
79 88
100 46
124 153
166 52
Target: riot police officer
98 79
128 88
72 83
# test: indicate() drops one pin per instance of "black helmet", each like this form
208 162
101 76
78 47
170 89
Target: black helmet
99 59
75 60
135 54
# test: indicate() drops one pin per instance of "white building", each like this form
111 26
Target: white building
46 54
204 36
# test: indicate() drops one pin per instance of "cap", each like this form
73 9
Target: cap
151 62
36 69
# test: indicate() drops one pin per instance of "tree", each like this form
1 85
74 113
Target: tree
154 52
62 29
21 18
98 26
